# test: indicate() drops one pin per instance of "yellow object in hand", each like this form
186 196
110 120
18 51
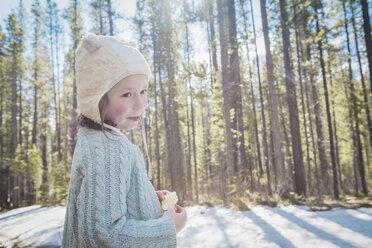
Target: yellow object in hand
170 199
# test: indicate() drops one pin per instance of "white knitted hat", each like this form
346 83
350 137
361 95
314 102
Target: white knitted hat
101 62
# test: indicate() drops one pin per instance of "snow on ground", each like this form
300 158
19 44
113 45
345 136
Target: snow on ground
217 227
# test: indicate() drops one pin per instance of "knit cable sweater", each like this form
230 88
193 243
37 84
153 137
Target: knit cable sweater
111 202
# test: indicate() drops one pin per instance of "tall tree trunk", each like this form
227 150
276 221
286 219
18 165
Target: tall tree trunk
4 178
258 147
319 129
100 16
174 145
65 99
110 16
352 131
367 36
288 156
51 29
212 43
339 172
20 176
255 123
43 140
236 98
353 101
35 78
299 171
165 116
299 53
192 117
307 91
365 94
213 68
273 105
76 35
212 50
20 112
263 116
57 31
2 101
157 151
337 158
204 123
230 160
14 128
188 157
330 129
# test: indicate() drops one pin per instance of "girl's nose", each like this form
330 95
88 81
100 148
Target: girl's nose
140 102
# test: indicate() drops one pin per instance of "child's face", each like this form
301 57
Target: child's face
127 100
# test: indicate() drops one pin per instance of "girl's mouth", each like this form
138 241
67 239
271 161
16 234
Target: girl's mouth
135 118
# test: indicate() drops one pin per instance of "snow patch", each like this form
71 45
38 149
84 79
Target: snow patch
217 227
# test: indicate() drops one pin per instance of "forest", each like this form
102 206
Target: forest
279 108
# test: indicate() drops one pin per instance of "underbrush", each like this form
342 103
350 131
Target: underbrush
248 200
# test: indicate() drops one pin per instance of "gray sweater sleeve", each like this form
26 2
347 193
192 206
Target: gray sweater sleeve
102 203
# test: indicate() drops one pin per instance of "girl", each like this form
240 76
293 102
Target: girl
111 202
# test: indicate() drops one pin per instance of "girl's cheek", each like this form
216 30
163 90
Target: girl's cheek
121 110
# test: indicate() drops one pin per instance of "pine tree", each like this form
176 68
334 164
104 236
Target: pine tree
52 15
4 167
299 53
236 97
110 14
353 103
74 19
230 146
99 20
15 47
273 106
317 6
186 19
367 36
365 94
300 181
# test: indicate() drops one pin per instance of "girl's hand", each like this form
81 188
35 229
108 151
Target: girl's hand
161 194
178 215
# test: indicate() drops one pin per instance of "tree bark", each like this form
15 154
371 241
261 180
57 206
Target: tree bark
354 107
273 105
299 172
212 51
339 172
76 35
299 53
59 127
110 14
236 98
190 91
157 145
55 93
36 97
307 91
174 145
367 36
258 147
330 129
4 175
212 43
365 94
352 131
230 160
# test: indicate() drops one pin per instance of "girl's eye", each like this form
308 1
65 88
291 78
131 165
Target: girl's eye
144 92
126 94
